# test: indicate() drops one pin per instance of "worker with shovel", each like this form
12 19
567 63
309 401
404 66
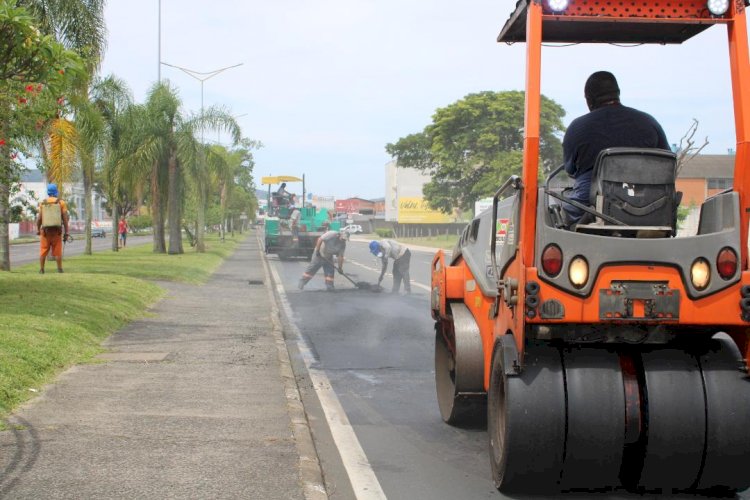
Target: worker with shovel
401 256
330 244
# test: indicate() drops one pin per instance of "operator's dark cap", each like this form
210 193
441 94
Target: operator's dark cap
601 87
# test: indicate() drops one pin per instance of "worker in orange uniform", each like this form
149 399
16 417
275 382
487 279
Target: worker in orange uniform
52 227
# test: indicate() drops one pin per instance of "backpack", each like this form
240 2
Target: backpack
51 214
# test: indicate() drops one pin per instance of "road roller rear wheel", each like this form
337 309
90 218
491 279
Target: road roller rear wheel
595 431
526 421
676 406
727 452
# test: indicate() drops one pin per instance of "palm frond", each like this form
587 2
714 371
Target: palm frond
217 119
78 24
62 149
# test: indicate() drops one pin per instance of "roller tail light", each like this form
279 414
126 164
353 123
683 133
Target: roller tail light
552 259
726 263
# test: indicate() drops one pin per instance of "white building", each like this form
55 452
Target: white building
404 201
401 183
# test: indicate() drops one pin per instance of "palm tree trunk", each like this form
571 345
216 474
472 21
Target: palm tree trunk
87 203
173 204
223 206
156 211
4 219
115 220
200 244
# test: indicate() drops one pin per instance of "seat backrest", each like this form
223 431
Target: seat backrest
636 186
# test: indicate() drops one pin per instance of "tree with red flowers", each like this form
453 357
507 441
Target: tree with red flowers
35 70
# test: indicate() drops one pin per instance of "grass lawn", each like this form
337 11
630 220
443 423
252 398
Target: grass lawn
444 241
52 321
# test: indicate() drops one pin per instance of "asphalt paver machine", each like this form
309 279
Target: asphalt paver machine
614 355
279 236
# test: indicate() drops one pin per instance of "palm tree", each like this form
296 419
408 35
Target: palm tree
145 140
89 123
213 167
111 96
235 162
186 151
204 176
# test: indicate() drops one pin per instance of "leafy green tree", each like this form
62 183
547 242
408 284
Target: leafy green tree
472 145
34 69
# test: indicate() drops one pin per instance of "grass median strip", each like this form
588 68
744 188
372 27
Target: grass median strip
444 241
52 321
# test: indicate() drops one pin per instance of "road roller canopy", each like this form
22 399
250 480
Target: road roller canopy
278 179
621 21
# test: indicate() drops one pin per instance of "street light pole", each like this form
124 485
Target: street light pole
158 64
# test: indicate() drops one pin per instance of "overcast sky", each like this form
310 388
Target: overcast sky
326 84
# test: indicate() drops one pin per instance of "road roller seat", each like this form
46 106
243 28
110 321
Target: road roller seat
636 186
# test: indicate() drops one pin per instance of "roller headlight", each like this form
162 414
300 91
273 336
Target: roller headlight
700 274
716 7
578 272
561 5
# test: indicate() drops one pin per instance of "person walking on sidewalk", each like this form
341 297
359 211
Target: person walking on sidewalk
52 228
401 256
122 230
330 244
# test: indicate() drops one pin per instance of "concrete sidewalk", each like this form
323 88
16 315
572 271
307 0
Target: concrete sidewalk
195 401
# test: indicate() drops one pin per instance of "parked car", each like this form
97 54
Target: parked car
353 229
97 232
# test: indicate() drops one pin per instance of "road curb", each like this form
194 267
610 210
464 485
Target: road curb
311 474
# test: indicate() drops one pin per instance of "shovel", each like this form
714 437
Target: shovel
361 285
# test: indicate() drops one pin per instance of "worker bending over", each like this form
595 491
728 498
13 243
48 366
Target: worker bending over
401 256
331 244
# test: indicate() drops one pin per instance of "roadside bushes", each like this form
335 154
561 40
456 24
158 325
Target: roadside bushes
385 232
140 223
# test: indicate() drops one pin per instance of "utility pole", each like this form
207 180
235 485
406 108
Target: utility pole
158 64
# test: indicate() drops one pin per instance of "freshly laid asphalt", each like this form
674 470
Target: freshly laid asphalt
196 400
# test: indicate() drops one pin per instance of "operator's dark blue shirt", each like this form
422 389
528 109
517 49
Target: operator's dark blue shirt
611 126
